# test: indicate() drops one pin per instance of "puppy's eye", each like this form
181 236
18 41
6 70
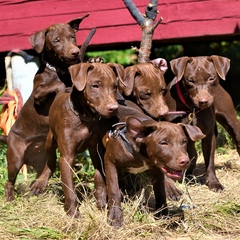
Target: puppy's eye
210 79
164 91
57 40
164 142
185 141
191 81
144 95
95 85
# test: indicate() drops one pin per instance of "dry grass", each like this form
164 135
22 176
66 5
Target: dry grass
206 215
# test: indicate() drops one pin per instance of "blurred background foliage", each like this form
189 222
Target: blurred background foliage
230 49
125 57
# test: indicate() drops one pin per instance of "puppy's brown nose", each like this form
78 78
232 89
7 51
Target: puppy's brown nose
75 52
203 102
164 111
183 162
112 107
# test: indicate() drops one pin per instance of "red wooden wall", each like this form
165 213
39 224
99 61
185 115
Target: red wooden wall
182 19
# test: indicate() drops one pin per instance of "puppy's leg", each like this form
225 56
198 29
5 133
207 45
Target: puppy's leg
172 192
71 202
41 182
159 191
226 115
97 156
15 160
115 215
208 147
192 156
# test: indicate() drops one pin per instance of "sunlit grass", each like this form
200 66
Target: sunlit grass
200 214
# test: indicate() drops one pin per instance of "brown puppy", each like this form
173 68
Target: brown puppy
144 84
192 94
139 144
226 114
74 123
26 139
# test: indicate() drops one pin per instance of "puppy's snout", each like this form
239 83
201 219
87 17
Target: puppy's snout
112 107
203 99
75 52
203 102
163 111
183 162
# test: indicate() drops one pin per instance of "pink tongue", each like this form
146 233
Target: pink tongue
172 173
175 174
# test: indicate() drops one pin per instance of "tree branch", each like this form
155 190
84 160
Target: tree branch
151 9
136 14
146 22
85 44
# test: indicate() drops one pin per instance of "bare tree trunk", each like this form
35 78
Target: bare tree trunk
146 22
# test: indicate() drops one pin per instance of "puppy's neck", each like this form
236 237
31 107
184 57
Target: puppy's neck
62 74
183 95
81 108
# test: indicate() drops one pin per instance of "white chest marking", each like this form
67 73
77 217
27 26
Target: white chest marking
138 170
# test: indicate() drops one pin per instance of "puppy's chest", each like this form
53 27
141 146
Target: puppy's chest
85 136
91 131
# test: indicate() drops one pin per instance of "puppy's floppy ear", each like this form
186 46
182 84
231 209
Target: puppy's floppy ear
75 22
139 129
160 63
178 66
78 73
130 74
193 132
37 40
222 65
118 70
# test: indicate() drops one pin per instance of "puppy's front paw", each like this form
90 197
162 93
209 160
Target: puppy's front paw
215 186
71 208
38 186
115 217
9 191
172 192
